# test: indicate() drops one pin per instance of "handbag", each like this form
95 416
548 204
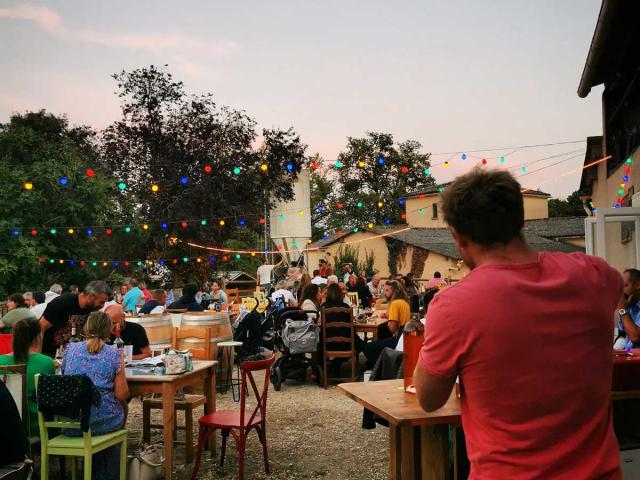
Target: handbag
147 463
176 362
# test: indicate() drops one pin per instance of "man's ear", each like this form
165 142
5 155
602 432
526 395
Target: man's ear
461 241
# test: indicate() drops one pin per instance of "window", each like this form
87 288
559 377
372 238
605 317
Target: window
434 210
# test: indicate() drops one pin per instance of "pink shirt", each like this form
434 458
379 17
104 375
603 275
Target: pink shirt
532 346
435 282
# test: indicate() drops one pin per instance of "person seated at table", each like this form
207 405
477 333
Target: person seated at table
133 296
397 316
27 339
310 301
18 310
156 304
39 304
345 298
629 322
104 365
283 292
304 281
131 333
187 300
374 286
218 295
358 285
318 279
436 281
332 279
293 275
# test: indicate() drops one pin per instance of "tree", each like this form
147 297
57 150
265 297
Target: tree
367 183
202 159
570 207
41 151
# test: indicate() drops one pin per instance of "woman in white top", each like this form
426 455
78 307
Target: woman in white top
310 301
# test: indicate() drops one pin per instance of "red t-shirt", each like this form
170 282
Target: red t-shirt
532 346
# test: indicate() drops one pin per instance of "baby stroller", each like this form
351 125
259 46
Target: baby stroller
254 330
295 335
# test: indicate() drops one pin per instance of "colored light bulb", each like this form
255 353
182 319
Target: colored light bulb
70 231
183 224
380 204
155 188
164 226
359 204
145 226
236 171
427 171
404 169
89 232
237 256
242 223
122 186
108 231
339 205
301 213
629 160
446 164
370 225
203 222
208 169
64 181
289 166
53 231
464 156
501 159
15 232
421 212
221 222
401 201
184 180
523 169
28 186
355 230
264 167
338 164
381 161
90 172
361 164
34 233
127 229
281 218
314 166
484 161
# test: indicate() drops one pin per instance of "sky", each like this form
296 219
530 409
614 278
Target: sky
456 75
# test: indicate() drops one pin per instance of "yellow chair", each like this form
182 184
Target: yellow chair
355 300
74 447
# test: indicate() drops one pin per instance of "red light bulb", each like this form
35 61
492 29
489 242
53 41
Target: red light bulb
90 172
207 169
108 231
405 169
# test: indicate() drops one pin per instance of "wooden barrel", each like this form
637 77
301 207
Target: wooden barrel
158 327
217 322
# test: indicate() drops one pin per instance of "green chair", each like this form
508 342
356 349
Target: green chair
74 447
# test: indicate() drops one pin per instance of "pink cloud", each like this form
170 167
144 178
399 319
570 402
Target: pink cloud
44 17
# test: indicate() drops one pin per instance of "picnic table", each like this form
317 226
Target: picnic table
418 440
203 374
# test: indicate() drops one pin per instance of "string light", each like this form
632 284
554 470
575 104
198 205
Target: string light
89 172
464 156
183 224
208 169
264 167
359 205
242 222
221 222
108 231
338 164
15 232
184 180
281 217
34 233
70 231
523 169
164 226
236 171
289 166
127 229
381 161
484 162
203 222
502 160
64 181
446 164
122 186
361 164
427 171
89 231
145 226
404 169
28 186
370 225
155 188
314 166
380 204
53 231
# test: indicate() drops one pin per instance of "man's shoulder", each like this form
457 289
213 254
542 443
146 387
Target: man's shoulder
135 327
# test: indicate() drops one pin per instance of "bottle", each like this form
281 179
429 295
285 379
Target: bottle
118 342
74 336
412 343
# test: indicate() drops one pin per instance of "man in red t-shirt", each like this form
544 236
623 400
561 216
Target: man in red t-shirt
529 335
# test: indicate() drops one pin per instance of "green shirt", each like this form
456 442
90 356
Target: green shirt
37 363
14 316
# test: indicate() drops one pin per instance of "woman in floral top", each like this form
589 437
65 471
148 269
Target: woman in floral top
104 365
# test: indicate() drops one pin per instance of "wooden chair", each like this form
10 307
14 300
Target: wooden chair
85 446
355 300
330 338
240 423
233 295
190 402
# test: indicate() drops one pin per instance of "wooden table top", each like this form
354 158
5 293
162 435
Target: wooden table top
198 366
387 399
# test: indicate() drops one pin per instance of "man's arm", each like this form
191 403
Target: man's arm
630 328
432 391
279 263
45 324
146 353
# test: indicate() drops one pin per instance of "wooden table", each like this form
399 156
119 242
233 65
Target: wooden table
204 373
418 440
370 327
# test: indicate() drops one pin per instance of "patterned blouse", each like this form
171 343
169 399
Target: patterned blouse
101 368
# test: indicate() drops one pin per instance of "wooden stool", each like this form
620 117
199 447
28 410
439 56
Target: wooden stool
187 405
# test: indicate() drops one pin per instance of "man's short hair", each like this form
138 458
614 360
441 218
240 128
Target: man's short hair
485 206
437 275
56 288
316 273
98 287
39 297
190 289
332 279
158 294
133 282
634 275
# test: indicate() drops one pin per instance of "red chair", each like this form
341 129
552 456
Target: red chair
6 343
240 423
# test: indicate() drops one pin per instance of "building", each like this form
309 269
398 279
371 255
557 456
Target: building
425 245
613 62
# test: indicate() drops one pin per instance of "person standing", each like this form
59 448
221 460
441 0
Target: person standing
318 279
263 275
54 291
529 336
70 311
436 281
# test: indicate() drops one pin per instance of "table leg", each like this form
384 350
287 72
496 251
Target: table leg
394 453
210 392
168 410
434 452
407 456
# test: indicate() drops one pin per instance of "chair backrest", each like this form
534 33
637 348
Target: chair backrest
233 295
355 300
58 423
248 368
15 379
333 332
199 333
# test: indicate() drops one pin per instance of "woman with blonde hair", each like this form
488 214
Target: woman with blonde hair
104 365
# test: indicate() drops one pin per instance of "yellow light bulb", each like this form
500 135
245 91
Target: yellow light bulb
361 164
145 226
28 185
155 188
198 260
380 204
104 264
264 167
70 231
370 225
60 261
222 223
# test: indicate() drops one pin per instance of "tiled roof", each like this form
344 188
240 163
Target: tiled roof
540 235
436 189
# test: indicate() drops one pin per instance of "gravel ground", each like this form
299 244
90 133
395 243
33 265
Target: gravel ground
312 433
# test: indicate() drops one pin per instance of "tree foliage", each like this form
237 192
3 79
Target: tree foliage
373 174
570 207
41 149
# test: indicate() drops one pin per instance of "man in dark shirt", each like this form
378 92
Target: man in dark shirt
187 300
131 333
156 305
69 311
